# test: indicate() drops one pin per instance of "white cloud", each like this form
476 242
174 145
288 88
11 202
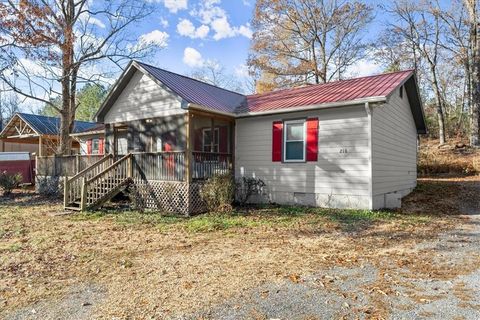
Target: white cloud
87 18
156 37
364 67
209 13
186 28
223 29
202 31
164 22
192 58
175 5
241 71
245 31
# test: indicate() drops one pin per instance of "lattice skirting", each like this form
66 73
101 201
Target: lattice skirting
168 196
49 185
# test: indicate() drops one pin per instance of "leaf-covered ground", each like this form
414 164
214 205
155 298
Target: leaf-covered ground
270 262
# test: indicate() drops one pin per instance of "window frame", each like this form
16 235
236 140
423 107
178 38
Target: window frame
216 130
284 142
95 143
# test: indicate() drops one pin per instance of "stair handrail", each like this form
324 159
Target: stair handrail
106 170
90 168
87 199
69 182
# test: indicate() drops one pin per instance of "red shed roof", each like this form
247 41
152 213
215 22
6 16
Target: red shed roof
345 90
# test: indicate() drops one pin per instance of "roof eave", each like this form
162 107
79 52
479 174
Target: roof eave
89 133
210 110
377 99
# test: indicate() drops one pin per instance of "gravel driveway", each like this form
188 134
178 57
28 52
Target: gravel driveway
350 293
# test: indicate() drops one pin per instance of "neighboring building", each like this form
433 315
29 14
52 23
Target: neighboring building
345 144
91 140
36 134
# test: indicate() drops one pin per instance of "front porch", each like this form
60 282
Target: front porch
162 161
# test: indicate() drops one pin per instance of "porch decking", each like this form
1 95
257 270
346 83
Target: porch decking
164 181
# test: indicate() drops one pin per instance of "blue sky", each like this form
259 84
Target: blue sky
192 32
201 30
219 30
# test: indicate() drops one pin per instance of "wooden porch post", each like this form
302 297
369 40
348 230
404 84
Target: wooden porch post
83 198
40 144
233 129
188 146
212 134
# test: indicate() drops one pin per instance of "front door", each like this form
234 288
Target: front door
121 141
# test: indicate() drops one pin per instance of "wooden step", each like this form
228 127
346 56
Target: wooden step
73 208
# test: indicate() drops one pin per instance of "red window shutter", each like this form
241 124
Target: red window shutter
312 139
277 135
101 146
89 146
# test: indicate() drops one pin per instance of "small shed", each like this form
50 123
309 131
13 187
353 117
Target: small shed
36 134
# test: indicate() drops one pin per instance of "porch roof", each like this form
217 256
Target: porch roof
24 125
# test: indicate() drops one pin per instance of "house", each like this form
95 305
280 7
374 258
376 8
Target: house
91 140
36 134
345 144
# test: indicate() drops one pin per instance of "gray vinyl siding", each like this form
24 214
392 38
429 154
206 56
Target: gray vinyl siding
394 149
143 98
335 180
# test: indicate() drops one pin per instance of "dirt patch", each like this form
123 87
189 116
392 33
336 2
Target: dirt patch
167 267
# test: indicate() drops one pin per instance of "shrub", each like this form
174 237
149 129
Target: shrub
8 182
247 187
218 193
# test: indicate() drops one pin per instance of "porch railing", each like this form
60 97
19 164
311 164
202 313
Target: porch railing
164 166
208 164
167 166
64 165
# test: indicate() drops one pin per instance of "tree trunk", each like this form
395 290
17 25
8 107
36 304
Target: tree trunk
439 106
475 76
475 105
67 114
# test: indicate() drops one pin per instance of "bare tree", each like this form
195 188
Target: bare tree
9 105
49 47
419 24
305 41
214 73
474 45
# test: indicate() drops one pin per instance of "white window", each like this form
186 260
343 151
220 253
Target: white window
159 144
294 141
207 141
95 146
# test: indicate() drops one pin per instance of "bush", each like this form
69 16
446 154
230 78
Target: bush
247 187
218 193
8 182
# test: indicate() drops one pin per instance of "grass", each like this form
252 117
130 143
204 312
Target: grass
253 217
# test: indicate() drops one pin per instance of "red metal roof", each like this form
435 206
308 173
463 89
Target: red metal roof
345 90
218 99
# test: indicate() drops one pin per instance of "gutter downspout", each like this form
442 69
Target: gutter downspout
369 111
